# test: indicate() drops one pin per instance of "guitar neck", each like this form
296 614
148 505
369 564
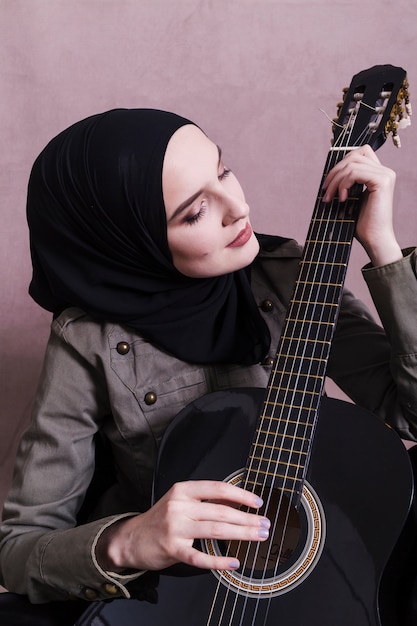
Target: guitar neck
376 104
282 442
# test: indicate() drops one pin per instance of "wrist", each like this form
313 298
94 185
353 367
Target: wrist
109 548
385 256
383 252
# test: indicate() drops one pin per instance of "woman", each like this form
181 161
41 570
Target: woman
143 250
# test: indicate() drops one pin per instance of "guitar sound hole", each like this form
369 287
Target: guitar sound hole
285 544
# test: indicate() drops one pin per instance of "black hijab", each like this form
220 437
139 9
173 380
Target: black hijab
98 240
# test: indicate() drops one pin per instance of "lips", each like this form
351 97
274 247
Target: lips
244 236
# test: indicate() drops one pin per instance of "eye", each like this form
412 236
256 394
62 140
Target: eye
225 173
193 219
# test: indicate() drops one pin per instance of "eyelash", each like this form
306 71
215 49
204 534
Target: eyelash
193 219
225 173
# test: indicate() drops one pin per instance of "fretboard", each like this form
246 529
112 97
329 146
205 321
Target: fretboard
283 438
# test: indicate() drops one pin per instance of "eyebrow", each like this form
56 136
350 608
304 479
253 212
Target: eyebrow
184 205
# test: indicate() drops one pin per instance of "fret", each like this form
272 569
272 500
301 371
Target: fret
272 480
289 406
286 428
284 451
319 272
334 220
348 199
278 476
292 390
308 381
328 293
305 348
288 374
296 439
327 242
304 340
298 325
269 438
334 230
296 356
265 466
294 320
305 310
314 303
309 367
256 485
316 283
307 330
330 263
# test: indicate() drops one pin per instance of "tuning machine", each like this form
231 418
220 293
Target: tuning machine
400 114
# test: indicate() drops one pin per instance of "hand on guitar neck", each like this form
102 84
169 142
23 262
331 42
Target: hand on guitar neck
374 228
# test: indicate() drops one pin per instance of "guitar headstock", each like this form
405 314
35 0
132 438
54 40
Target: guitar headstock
376 104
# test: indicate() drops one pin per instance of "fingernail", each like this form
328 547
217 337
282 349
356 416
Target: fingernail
264 522
234 564
263 533
258 502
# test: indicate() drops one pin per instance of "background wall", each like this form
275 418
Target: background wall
252 73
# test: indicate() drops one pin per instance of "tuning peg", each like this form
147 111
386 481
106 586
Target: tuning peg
396 139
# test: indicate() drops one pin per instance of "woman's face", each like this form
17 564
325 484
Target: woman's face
209 232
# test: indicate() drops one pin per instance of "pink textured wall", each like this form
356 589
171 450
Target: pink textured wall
252 73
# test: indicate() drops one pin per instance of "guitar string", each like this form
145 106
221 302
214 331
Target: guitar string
285 521
337 280
344 228
341 233
305 426
279 506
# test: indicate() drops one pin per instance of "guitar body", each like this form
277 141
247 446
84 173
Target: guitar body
360 479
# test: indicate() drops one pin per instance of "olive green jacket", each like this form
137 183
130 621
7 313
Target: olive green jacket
106 378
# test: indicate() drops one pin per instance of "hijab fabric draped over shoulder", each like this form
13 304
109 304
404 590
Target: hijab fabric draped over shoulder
98 238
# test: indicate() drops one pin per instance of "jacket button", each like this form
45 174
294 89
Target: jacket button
267 306
150 398
269 360
122 347
112 590
90 594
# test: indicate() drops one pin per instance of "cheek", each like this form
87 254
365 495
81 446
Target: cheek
192 250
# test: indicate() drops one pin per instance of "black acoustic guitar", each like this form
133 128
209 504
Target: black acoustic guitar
336 482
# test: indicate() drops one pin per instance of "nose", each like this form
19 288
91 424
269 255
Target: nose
234 208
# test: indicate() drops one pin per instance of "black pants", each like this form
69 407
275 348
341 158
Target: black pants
16 610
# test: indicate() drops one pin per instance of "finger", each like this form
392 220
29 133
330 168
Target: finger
217 491
341 179
228 532
209 512
202 560
358 158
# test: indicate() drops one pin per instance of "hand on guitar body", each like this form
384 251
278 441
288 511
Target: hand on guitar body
374 229
164 535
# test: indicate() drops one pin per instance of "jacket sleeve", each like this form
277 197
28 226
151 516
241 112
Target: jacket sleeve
377 367
42 552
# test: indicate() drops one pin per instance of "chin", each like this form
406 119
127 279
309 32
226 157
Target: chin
247 254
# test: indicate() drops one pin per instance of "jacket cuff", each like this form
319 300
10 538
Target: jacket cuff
116 581
67 565
393 288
